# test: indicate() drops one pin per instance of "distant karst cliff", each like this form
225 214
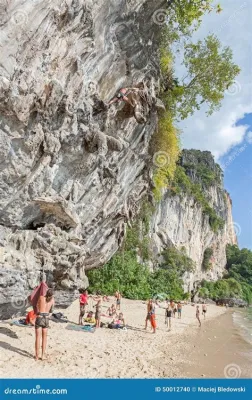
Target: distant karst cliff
196 215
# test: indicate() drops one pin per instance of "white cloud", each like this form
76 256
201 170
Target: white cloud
218 132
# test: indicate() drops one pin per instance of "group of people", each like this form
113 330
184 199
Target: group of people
42 300
171 310
111 312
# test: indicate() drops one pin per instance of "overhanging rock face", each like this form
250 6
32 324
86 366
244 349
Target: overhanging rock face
72 171
58 211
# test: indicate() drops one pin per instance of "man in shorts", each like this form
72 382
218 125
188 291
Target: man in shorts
118 300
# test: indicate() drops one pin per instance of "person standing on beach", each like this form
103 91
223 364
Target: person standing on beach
204 309
168 315
148 314
172 304
83 304
153 316
44 306
198 315
179 308
98 310
118 300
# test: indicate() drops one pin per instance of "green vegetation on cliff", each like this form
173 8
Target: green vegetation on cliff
182 184
237 282
128 270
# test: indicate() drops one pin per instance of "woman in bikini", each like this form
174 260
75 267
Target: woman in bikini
44 307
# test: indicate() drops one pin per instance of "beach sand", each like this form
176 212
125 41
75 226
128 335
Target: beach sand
134 353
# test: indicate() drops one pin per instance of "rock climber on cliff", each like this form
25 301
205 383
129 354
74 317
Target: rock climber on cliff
122 95
133 97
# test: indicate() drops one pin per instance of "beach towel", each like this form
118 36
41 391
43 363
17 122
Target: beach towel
40 290
20 323
105 315
85 328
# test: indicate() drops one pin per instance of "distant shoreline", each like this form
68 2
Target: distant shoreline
217 350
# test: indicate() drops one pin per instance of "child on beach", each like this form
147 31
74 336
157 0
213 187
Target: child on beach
198 315
83 304
90 317
98 314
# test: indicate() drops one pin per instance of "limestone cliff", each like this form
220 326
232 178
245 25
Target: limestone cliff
72 170
180 221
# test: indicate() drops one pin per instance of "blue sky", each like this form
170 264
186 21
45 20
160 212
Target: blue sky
237 165
228 132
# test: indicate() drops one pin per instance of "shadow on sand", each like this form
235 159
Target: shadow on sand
8 332
8 346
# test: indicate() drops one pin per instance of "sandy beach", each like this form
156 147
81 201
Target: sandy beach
185 351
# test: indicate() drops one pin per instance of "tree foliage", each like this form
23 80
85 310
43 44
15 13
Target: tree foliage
186 16
206 265
238 280
134 279
210 71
